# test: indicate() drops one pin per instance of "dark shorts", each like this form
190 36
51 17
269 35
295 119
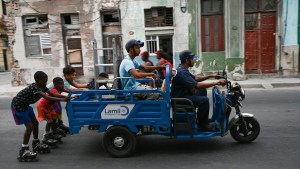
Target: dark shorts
23 117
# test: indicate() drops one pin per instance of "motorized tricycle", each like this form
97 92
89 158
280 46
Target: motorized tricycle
122 116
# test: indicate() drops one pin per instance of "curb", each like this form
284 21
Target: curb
251 85
270 85
276 85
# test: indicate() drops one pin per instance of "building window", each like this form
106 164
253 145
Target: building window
152 43
156 42
212 25
251 21
72 41
72 19
211 7
158 17
38 45
260 5
110 18
71 26
36 36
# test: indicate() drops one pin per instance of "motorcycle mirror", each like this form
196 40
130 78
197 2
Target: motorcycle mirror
224 74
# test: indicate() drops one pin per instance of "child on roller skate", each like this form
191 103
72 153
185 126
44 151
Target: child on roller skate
50 110
23 114
69 75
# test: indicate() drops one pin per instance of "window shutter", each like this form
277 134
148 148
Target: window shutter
45 41
158 17
75 19
34 46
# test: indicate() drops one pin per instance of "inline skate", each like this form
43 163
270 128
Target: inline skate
60 132
25 155
53 136
52 143
38 147
63 127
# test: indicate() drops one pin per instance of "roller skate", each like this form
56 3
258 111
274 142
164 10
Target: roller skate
60 132
38 147
52 143
63 127
25 155
54 136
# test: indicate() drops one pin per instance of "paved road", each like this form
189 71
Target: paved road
277 146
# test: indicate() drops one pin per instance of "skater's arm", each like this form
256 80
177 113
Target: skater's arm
80 86
53 94
49 97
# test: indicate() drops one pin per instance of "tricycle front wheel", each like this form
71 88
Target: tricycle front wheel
240 134
119 141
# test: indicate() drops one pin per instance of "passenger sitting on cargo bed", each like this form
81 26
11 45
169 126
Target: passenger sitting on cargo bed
129 66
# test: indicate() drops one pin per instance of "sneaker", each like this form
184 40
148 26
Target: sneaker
208 126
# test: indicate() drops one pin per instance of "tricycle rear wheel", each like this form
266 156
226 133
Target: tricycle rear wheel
239 133
119 141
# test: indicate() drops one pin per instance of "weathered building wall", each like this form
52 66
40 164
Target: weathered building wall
132 21
5 53
232 57
234 36
290 49
185 32
53 64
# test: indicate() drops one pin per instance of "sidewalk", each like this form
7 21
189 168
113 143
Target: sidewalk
6 90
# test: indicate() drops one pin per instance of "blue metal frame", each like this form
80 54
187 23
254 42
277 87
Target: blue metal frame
92 105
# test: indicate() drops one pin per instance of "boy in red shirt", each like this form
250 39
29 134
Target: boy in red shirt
50 110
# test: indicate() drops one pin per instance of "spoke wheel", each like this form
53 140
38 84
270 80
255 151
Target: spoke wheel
118 141
240 134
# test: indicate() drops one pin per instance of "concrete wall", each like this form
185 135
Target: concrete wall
234 38
53 64
290 49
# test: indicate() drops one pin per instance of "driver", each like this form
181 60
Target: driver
186 85
129 66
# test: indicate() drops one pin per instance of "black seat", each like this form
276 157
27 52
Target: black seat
184 116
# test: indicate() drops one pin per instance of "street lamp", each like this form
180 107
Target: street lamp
183 6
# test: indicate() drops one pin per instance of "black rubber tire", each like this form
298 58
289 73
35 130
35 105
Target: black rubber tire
253 130
119 141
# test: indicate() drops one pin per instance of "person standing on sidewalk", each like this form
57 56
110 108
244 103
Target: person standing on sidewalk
23 113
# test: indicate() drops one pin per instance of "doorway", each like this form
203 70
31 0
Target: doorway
74 54
260 29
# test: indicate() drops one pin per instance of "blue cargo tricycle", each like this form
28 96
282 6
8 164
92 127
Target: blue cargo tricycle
122 116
